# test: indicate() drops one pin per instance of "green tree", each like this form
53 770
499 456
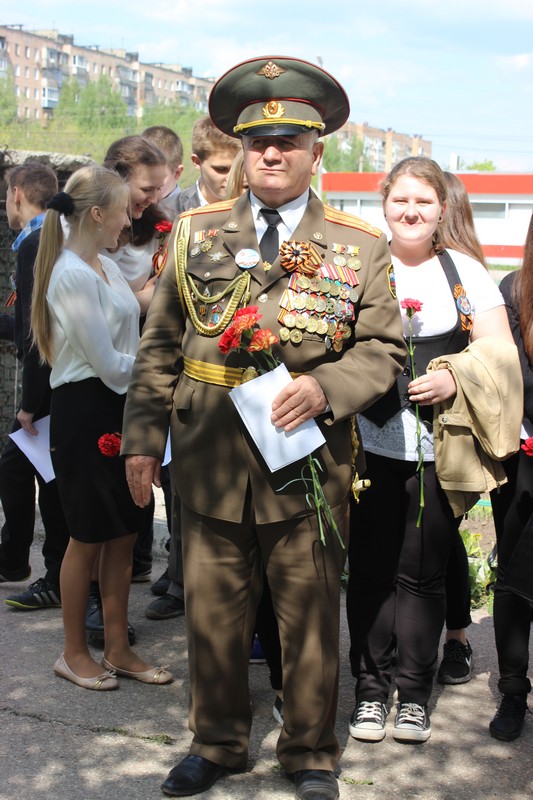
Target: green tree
482 166
101 106
8 100
69 98
347 157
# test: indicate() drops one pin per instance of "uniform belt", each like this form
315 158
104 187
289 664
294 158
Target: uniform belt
215 374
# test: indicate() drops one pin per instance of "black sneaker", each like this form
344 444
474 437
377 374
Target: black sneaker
509 718
14 575
141 575
41 594
94 619
368 721
160 586
412 723
165 607
457 662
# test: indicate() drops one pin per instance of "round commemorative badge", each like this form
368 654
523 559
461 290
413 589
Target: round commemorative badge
247 259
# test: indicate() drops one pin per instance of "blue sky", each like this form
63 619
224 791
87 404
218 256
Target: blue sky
458 72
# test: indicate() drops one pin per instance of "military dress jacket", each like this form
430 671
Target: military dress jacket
355 360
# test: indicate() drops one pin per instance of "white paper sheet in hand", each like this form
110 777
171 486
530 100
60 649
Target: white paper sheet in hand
37 448
253 401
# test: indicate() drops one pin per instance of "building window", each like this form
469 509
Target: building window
17 50
17 71
27 92
36 73
36 94
36 113
27 52
488 210
26 72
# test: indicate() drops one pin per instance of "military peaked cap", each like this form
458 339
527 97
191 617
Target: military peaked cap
277 96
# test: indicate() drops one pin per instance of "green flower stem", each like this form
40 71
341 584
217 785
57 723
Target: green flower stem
420 464
315 498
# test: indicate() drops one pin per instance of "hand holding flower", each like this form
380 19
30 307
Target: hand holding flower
433 388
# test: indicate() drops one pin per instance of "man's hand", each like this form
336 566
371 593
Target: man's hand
301 400
26 421
141 473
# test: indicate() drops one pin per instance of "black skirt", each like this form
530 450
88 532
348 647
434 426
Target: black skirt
92 486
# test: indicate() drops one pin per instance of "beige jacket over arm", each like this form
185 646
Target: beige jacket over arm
480 426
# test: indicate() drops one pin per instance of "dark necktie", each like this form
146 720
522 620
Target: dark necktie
269 244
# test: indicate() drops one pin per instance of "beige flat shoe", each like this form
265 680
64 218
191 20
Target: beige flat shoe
101 683
158 675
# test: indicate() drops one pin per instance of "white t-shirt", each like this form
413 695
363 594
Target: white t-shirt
428 284
95 325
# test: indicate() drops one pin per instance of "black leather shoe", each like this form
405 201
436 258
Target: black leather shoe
191 776
509 718
94 619
315 784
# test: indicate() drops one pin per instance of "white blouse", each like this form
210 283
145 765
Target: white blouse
95 325
428 283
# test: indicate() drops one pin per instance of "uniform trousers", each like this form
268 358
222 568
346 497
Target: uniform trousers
396 601
17 493
223 584
513 518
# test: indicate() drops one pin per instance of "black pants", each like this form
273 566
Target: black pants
457 587
17 493
396 600
513 509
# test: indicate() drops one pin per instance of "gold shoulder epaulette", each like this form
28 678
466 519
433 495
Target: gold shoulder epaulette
223 205
350 220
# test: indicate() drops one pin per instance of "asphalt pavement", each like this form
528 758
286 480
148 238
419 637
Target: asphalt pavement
60 742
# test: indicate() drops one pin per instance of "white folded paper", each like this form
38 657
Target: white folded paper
37 448
253 401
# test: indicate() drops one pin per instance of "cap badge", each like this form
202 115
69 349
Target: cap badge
273 110
271 71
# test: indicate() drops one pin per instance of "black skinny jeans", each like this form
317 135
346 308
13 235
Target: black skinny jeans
396 600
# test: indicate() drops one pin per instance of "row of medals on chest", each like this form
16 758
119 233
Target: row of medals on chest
317 305
327 301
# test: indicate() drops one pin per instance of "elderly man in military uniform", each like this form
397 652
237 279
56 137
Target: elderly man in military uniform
322 282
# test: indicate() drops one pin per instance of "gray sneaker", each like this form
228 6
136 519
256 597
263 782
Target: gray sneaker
412 723
367 722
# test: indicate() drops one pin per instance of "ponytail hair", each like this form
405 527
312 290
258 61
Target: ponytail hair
86 188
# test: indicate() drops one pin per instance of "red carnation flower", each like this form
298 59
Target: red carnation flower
527 447
262 339
165 226
109 444
411 306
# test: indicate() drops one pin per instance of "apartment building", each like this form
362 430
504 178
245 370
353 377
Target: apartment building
383 148
40 61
